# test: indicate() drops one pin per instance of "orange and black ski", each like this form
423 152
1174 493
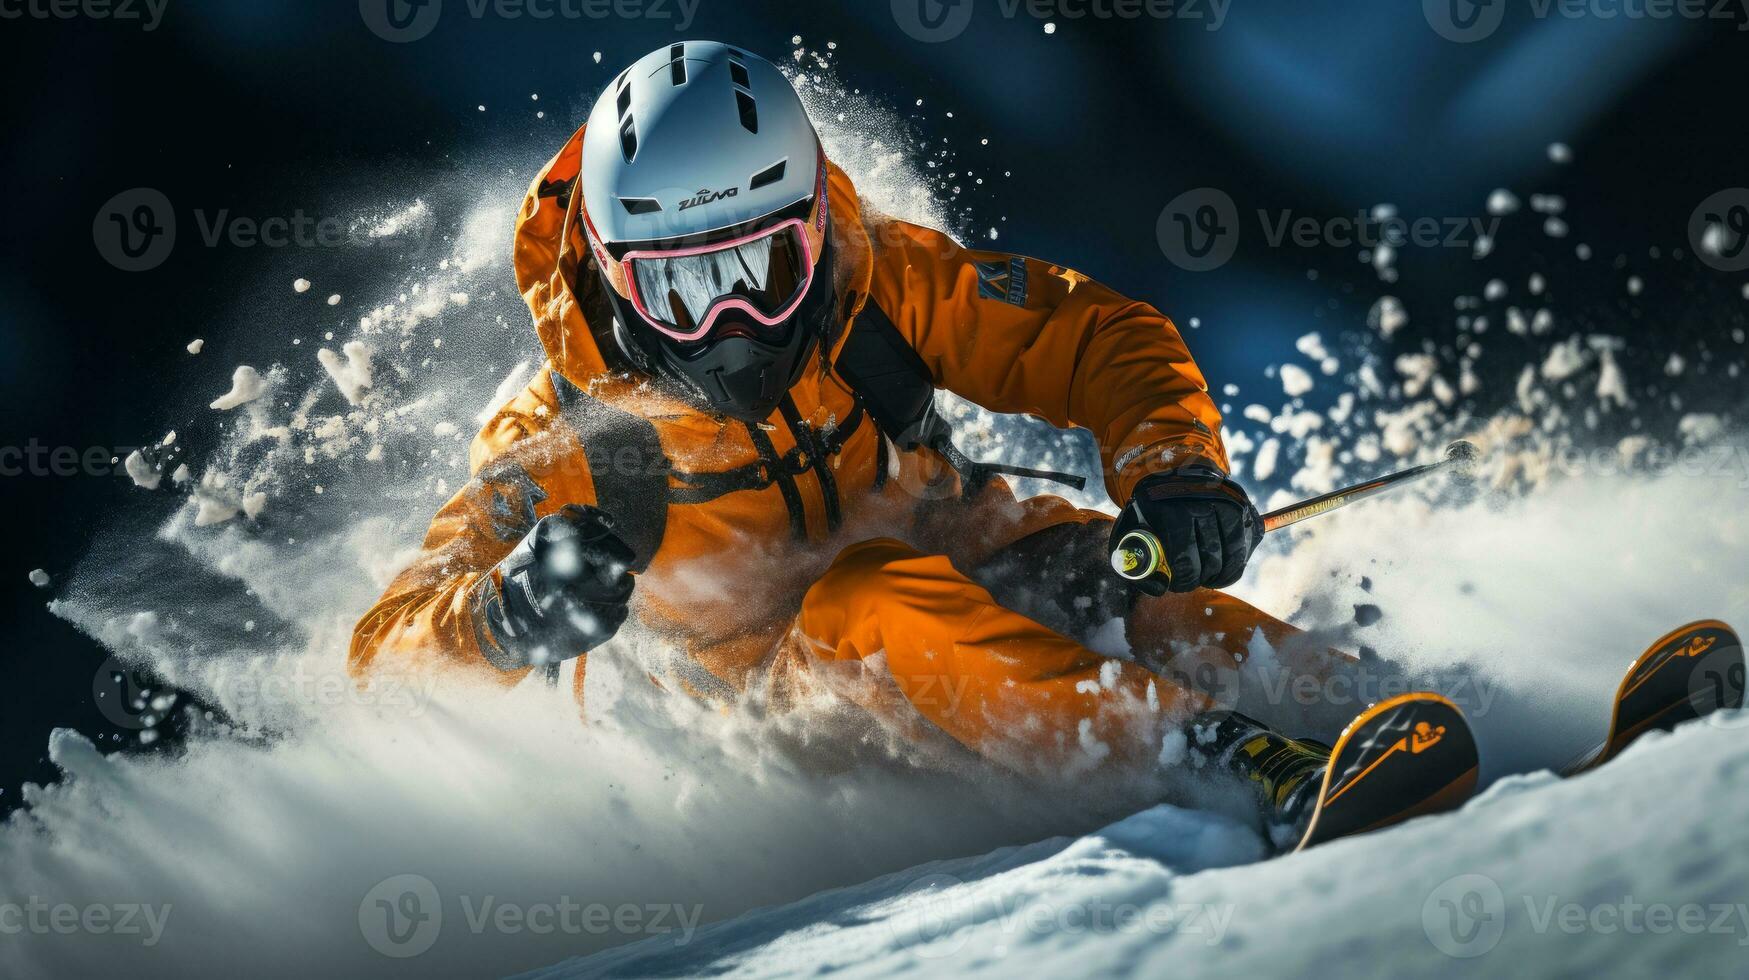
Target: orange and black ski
1400 758
1689 673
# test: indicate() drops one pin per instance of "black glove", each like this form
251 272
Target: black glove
1206 525
562 592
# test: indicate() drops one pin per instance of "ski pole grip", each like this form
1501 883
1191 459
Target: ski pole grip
1139 555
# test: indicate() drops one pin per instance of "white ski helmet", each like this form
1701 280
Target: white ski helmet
704 201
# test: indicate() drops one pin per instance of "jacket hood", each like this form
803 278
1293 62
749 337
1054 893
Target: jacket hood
555 269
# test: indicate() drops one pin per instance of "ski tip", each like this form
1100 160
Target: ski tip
1690 644
1689 672
1415 700
1400 758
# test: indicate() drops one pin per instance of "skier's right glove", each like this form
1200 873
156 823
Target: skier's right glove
1203 525
562 592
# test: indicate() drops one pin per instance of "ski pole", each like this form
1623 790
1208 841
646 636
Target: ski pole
1140 554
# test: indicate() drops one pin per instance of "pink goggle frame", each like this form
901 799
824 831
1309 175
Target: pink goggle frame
799 226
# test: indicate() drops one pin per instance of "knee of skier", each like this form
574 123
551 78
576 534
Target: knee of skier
862 572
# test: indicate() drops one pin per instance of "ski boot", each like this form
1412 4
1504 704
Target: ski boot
1285 772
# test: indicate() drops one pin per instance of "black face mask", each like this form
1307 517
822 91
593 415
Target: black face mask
743 374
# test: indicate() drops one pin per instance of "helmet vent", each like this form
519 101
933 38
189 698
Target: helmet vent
628 139
744 102
628 134
749 111
641 205
770 175
677 63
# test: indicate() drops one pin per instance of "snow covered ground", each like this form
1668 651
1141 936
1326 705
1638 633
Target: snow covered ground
480 817
1639 869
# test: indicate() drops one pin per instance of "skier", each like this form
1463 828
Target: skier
735 427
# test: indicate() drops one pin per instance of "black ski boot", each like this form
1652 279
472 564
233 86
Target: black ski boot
1286 772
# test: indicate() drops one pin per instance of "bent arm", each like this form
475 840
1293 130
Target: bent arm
429 615
1018 335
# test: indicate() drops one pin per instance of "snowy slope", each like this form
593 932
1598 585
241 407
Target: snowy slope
1640 869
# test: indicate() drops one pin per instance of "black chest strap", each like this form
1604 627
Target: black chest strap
813 450
635 481
893 383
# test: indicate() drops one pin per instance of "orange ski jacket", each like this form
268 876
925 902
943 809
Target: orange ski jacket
749 517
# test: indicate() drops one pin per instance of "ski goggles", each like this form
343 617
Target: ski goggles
684 292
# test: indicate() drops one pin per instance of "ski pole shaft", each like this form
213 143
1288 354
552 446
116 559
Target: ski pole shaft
1459 455
1140 554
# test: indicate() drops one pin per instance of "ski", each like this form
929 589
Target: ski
1688 673
1398 759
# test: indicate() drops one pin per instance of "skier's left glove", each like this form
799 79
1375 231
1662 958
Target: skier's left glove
1206 525
560 593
